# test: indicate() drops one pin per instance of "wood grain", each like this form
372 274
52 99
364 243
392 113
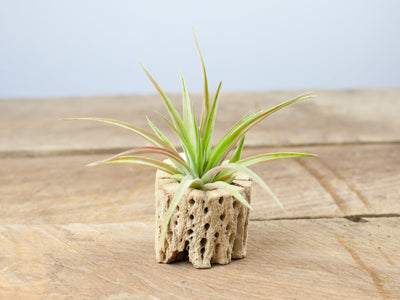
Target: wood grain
33 126
288 259
71 232
342 181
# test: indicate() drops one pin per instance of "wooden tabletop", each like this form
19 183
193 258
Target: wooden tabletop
72 232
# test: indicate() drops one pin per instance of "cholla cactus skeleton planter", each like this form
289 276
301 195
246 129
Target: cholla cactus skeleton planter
207 226
202 194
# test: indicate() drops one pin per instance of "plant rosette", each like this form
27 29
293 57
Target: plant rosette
202 194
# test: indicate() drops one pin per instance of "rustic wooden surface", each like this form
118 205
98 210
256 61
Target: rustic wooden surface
71 232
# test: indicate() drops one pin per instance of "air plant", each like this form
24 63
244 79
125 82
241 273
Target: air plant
201 165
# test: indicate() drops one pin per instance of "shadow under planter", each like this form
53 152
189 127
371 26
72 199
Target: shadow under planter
207 226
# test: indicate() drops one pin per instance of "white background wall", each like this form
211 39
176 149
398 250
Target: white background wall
89 47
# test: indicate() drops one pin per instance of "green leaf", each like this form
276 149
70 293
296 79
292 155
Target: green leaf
230 188
238 151
175 117
206 101
268 156
186 182
199 151
159 133
215 174
210 175
179 126
187 112
140 160
227 175
209 127
225 145
187 148
253 175
224 175
177 177
143 133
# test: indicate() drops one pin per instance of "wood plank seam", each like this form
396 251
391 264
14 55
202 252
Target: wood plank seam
353 217
25 153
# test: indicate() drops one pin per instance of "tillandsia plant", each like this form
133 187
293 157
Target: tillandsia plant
201 165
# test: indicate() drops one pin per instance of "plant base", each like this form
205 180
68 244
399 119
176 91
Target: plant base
207 226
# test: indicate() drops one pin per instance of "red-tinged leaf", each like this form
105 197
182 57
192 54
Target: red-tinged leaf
140 160
170 154
269 156
143 133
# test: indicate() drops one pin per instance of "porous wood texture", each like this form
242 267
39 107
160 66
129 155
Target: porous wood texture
71 232
208 227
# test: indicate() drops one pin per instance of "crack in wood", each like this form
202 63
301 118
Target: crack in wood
356 219
352 218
